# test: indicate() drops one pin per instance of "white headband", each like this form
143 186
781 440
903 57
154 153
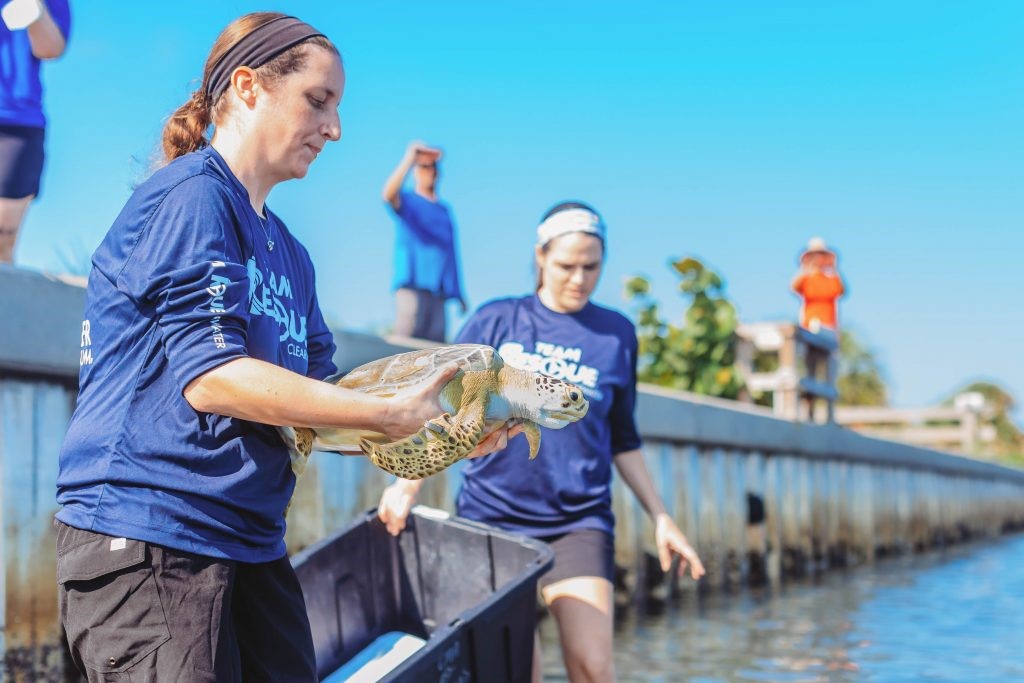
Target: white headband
570 220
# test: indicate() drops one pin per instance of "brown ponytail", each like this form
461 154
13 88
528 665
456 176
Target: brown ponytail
185 131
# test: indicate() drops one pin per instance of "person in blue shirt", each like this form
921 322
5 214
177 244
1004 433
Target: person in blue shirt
564 496
426 266
202 330
30 31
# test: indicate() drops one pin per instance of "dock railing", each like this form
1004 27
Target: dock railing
964 427
801 381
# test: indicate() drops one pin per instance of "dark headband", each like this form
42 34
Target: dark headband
256 49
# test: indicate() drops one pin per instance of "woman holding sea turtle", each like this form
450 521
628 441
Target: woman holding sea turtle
202 329
564 496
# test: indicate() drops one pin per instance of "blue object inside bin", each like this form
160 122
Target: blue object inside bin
378 658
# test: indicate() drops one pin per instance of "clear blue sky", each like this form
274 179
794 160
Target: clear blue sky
729 131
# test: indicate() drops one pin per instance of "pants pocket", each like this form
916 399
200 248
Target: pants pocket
109 602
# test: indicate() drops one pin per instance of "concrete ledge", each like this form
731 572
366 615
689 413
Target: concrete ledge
42 323
683 417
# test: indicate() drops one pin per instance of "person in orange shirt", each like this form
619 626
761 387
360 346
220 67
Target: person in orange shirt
819 285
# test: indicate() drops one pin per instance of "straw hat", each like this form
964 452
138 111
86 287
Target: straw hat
816 245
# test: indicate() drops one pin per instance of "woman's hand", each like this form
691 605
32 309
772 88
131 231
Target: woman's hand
409 410
669 539
397 500
395 503
496 440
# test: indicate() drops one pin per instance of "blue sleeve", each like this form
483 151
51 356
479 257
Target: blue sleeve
187 268
61 14
403 211
621 418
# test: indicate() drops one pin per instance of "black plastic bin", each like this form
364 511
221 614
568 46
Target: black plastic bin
468 589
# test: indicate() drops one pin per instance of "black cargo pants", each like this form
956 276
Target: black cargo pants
136 611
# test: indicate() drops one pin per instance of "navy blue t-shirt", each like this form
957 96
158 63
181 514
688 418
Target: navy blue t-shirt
568 486
182 283
425 247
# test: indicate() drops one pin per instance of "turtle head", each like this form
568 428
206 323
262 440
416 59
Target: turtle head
554 403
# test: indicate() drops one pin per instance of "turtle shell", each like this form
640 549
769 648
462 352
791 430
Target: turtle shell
388 376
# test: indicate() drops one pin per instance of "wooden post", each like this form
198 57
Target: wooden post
686 476
844 512
804 515
711 517
735 517
789 493
786 400
773 506
819 513
832 505
756 536
863 495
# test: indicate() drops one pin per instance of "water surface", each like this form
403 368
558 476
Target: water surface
954 615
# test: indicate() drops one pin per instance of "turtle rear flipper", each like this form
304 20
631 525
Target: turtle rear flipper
299 441
441 442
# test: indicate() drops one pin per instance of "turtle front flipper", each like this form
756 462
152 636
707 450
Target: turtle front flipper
532 433
442 442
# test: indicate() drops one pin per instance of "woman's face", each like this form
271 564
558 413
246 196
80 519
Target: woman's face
425 175
569 270
300 114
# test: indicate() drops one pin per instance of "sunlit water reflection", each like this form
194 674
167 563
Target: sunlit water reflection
956 615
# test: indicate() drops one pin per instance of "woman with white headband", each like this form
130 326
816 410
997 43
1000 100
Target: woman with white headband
564 496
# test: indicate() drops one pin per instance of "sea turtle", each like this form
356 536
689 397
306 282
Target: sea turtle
481 397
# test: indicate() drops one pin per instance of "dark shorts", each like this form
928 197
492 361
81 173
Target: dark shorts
21 161
139 611
585 552
420 314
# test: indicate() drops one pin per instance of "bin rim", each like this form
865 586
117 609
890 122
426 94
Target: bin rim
545 556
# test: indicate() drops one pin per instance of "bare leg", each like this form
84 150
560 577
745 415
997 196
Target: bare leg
583 606
406 312
12 213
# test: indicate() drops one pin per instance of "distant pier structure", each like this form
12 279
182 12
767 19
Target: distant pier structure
761 494
795 368
962 427
794 371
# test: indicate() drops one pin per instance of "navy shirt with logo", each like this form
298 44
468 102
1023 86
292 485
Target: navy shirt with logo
568 485
182 283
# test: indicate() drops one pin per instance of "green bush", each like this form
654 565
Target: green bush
698 356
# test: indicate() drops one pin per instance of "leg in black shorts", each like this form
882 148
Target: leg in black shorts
583 552
21 161
139 611
21 166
